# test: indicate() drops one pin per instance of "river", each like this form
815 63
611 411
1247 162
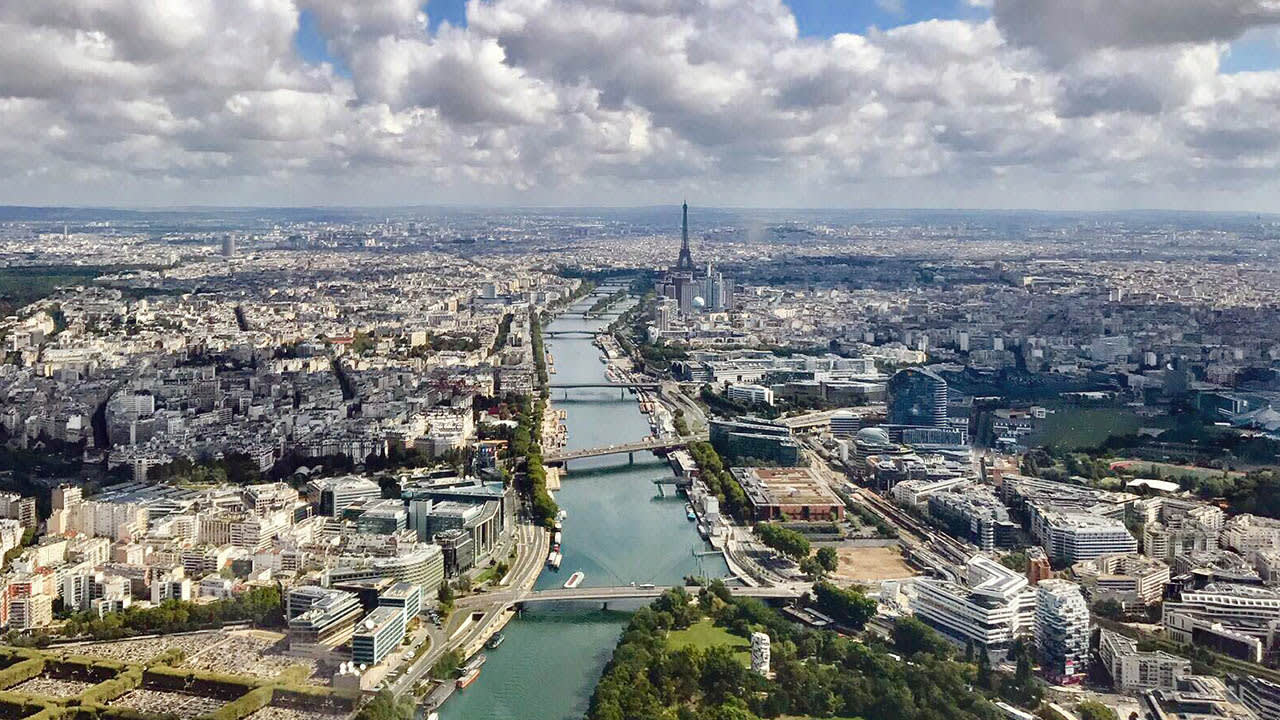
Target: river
618 530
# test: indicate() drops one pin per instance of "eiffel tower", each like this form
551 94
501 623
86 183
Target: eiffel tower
685 261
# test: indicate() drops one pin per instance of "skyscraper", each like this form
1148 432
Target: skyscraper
228 245
917 397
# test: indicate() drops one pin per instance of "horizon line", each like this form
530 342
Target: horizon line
465 206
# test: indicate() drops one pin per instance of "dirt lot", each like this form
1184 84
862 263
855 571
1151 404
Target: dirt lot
870 564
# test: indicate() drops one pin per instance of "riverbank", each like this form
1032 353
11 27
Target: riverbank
617 530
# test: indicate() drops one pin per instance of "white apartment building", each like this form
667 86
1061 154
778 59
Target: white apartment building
750 394
1224 609
1134 671
1247 533
1062 628
993 606
1071 537
1128 578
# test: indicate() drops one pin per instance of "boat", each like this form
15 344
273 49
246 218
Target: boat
559 526
554 559
496 641
574 580
688 512
470 672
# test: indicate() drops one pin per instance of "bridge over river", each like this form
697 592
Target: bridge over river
663 443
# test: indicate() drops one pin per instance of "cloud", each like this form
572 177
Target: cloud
1066 30
628 101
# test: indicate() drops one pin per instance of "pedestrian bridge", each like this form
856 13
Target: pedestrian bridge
665 443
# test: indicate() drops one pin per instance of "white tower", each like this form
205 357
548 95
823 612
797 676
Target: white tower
760 653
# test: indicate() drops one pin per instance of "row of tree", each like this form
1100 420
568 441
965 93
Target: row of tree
261 606
733 501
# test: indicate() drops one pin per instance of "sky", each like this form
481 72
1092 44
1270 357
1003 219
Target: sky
1089 104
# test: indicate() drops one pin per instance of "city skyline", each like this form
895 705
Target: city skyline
932 104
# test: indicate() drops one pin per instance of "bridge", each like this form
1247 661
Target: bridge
570 333
641 592
667 443
608 385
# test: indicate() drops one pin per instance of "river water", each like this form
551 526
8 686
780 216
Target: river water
618 530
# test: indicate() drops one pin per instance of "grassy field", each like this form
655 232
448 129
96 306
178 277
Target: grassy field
1080 428
704 634
1148 469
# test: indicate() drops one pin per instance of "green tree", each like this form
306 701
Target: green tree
848 607
1092 710
828 558
786 541
911 636
385 706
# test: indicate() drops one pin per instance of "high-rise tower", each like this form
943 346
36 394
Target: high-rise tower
685 261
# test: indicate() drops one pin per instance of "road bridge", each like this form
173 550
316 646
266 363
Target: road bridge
663 443
624 592
610 385
570 333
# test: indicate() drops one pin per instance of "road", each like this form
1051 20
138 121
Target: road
463 629
674 394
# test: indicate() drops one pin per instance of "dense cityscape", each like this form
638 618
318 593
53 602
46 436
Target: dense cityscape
303 464
639 360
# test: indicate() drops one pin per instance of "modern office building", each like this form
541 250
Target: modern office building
1259 695
320 619
377 635
991 607
917 397
1238 620
750 394
1196 697
1069 537
757 439
1132 580
421 495
975 513
403 595
481 521
1133 670
846 424
459 551
337 494
421 564
1062 628
382 517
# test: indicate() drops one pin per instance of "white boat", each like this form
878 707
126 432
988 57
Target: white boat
554 559
574 580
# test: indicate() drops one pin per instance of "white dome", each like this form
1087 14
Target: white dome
872 436
699 302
